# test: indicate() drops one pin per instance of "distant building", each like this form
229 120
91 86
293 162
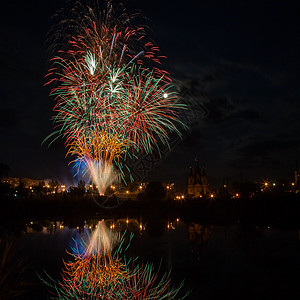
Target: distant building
197 181
27 182
12 181
297 177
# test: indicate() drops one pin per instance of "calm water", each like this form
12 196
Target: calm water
216 262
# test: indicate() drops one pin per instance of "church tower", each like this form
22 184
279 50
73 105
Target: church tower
191 182
197 181
204 181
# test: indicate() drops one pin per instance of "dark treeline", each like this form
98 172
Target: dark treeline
274 209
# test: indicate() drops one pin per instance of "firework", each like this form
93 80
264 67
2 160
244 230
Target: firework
111 98
97 271
103 272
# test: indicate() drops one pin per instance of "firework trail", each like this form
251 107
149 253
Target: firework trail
112 99
103 272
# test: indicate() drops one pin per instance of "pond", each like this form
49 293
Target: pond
231 262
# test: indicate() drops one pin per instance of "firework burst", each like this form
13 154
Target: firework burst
103 272
111 98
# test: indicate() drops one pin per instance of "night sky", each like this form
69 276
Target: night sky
239 59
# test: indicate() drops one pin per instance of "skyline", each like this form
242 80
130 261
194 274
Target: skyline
240 61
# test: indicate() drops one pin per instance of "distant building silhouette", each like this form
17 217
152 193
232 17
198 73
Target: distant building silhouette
297 177
12 181
197 181
27 182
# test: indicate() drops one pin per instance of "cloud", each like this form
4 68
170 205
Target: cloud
239 65
225 109
264 148
200 80
265 155
208 109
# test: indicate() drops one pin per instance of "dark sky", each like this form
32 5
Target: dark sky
240 60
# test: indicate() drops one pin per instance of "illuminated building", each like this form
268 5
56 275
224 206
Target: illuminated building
11 181
197 181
